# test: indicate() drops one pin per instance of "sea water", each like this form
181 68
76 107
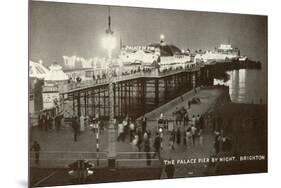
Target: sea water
246 85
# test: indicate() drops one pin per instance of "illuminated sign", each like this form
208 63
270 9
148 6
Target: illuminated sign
136 48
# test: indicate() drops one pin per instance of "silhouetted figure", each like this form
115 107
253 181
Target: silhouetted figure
36 148
40 121
143 124
147 150
193 133
217 146
185 119
75 126
172 140
157 145
44 122
170 170
201 122
58 122
178 135
49 122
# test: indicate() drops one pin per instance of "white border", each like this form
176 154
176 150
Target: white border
14 56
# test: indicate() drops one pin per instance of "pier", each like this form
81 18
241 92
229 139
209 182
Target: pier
142 92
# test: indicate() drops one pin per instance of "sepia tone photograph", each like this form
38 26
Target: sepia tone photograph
128 93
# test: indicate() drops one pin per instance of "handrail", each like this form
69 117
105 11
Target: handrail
154 73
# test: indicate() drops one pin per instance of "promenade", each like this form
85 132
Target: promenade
209 99
53 142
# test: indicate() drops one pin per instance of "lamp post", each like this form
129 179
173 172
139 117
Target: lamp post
109 43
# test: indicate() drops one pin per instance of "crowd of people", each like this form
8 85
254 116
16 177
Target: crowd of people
181 128
48 121
80 124
102 76
141 138
222 142
186 130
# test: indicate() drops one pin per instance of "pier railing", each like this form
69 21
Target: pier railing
153 73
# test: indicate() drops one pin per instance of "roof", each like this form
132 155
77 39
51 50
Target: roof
167 49
37 70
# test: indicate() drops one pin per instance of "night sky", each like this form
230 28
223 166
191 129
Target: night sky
58 29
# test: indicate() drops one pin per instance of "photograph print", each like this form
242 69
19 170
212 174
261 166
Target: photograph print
125 94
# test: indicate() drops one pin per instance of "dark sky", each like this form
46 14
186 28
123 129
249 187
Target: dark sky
58 29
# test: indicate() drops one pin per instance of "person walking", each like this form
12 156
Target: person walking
193 133
44 122
148 133
140 136
197 125
91 125
188 136
184 138
170 169
139 143
132 131
36 148
145 136
96 125
157 145
200 137
161 134
40 123
173 135
75 126
125 128
185 119
58 122
177 116
178 136
147 150
120 132
172 140
201 122
143 124
49 122
193 120
82 123
161 120
217 146
134 145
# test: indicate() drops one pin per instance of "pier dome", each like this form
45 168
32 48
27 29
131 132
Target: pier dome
167 49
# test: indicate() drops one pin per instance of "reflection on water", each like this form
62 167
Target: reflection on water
246 86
